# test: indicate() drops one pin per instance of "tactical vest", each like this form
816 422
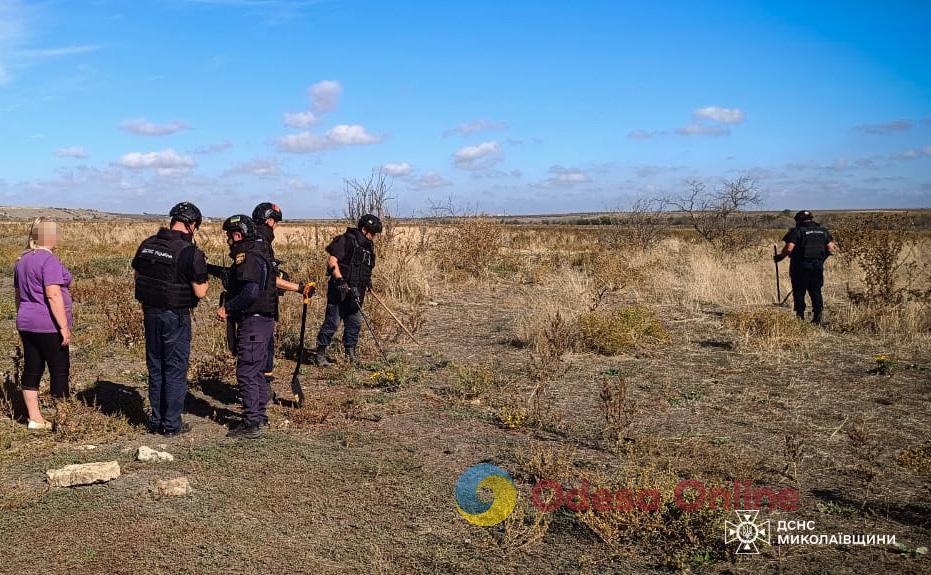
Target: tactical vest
158 279
812 243
266 303
357 271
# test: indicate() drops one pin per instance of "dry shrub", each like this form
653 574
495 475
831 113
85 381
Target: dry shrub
768 329
916 460
906 323
211 368
616 406
615 331
477 380
525 526
685 539
551 310
883 247
78 421
544 462
12 404
318 411
113 298
469 247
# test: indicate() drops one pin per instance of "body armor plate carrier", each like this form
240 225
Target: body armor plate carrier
158 281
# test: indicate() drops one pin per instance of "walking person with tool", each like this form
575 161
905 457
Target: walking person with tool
171 278
249 308
349 265
807 246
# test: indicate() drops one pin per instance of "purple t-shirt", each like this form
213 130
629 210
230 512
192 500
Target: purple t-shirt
34 271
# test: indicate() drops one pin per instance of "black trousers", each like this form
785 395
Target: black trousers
167 353
807 278
39 350
252 336
344 310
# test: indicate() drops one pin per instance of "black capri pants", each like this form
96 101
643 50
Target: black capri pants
39 350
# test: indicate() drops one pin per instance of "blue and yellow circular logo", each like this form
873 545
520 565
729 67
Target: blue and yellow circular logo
472 507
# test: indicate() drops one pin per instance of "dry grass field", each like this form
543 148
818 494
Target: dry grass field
566 353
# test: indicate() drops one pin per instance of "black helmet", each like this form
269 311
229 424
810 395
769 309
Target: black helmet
240 223
187 213
370 223
804 216
264 211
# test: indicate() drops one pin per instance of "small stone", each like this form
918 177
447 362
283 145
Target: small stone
921 551
433 303
83 474
146 454
85 448
174 487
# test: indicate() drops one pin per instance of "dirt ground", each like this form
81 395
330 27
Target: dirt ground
361 479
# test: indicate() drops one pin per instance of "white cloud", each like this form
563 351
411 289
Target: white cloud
71 152
166 162
475 126
913 154
885 127
337 136
561 177
398 170
299 119
324 95
644 134
696 129
350 135
480 157
723 115
260 168
302 143
213 148
430 181
143 127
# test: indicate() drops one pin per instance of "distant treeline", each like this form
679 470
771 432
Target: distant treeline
921 218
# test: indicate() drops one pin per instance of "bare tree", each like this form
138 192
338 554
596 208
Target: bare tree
719 216
369 196
641 226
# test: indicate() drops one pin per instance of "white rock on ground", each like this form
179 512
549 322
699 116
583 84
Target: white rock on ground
83 474
174 487
146 454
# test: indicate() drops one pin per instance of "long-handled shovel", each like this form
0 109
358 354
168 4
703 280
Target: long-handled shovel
394 317
296 389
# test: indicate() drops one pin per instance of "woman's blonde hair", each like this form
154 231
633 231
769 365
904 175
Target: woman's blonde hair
40 226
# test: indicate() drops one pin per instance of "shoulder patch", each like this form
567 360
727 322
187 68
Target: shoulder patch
240 258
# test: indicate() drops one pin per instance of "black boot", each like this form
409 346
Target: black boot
245 431
320 358
816 318
351 355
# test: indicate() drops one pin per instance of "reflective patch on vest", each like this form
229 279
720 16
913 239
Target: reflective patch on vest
157 254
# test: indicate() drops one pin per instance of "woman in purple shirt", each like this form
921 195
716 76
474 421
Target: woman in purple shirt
43 317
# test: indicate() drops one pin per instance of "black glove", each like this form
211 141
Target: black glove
345 292
779 257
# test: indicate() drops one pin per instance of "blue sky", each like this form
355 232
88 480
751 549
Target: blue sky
507 107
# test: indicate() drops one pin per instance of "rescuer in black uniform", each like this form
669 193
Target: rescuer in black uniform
250 305
350 265
170 278
807 245
266 216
